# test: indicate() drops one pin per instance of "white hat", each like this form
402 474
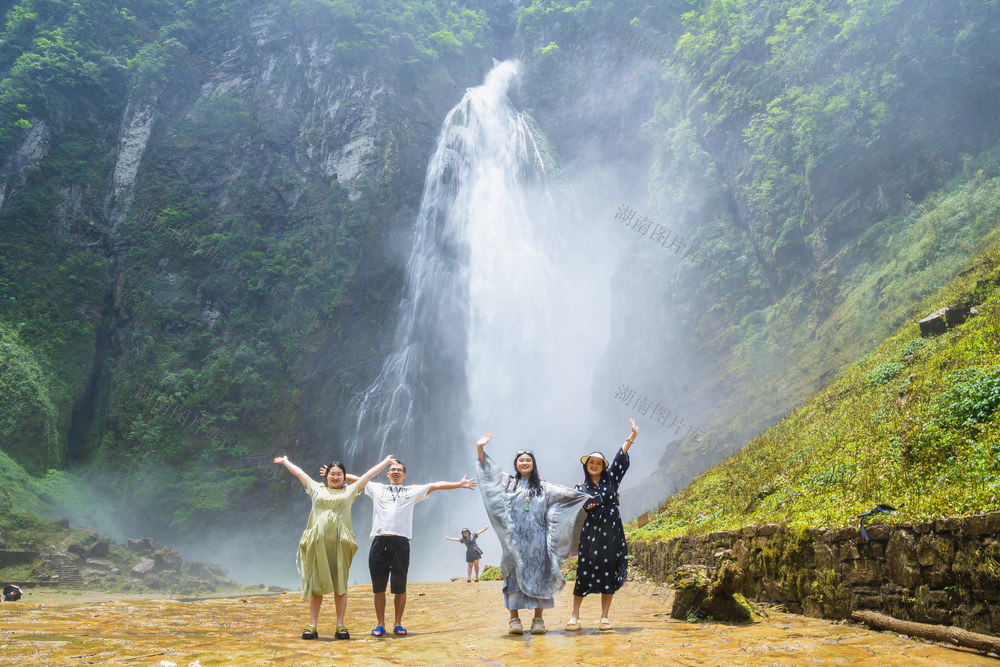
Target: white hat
595 455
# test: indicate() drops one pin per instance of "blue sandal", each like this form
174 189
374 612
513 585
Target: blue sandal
378 631
399 630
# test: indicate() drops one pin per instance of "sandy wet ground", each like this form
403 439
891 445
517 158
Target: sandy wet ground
454 622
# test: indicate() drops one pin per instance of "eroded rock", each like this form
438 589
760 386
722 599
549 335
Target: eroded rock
167 559
143 547
145 566
703 593
89 544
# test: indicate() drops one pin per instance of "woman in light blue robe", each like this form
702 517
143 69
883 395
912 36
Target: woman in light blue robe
536 523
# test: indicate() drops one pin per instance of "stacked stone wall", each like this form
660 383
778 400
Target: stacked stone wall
945 571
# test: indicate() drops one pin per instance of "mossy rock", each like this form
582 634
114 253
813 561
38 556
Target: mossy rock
702 595
88 544
732 608
692 583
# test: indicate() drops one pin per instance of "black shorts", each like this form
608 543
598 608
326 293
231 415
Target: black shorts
388 561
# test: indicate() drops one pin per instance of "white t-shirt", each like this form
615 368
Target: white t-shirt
392 507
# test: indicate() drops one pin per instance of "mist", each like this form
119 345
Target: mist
504 326
517 277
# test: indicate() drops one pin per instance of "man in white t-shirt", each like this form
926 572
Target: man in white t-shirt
392 526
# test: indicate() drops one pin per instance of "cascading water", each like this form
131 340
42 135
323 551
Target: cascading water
504 315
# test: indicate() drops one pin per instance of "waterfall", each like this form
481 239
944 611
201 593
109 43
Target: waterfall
504 315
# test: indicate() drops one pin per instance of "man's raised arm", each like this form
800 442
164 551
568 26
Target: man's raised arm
464 483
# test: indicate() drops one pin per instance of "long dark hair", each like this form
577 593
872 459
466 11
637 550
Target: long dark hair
534 481
586 475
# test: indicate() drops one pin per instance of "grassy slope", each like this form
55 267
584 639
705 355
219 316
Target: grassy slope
55 495
793 347
919 432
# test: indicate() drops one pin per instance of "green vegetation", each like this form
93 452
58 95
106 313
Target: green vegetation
214 294
55 494
831 158
924 437
818 197
29 423
398 32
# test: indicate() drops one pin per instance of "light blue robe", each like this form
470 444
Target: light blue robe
535 541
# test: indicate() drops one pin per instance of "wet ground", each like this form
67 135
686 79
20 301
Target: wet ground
453 622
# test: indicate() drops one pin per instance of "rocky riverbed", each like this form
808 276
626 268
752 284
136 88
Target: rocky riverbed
451 622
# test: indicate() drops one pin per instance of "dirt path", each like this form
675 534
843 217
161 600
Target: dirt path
456 622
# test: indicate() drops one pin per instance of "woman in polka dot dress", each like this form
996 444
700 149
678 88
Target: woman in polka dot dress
603 563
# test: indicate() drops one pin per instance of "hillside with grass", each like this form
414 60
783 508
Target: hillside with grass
913 424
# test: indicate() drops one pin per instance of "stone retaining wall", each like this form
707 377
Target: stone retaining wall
945 571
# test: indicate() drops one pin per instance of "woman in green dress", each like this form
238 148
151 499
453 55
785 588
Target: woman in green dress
327 546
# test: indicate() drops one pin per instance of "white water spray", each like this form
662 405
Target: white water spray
504 316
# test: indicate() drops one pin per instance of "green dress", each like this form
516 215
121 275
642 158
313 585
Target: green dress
327 546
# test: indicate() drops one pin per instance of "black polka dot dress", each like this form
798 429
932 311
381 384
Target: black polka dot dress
603 563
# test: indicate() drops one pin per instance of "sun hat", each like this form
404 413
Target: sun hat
595 455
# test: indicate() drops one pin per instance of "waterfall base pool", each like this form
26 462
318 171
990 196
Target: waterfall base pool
454 622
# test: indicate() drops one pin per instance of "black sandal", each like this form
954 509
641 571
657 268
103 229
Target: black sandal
342 632
310 633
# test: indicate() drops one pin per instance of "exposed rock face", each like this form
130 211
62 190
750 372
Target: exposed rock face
201 570
162 568
703 593
145 566
935 323
944 318
89 544
167 560
137 126
101 566
143 547
945 571
34 147
296 87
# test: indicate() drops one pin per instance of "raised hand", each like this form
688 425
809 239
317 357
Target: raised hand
467 483
631 438
480 452
294 469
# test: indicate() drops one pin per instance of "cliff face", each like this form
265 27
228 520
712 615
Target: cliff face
215 235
